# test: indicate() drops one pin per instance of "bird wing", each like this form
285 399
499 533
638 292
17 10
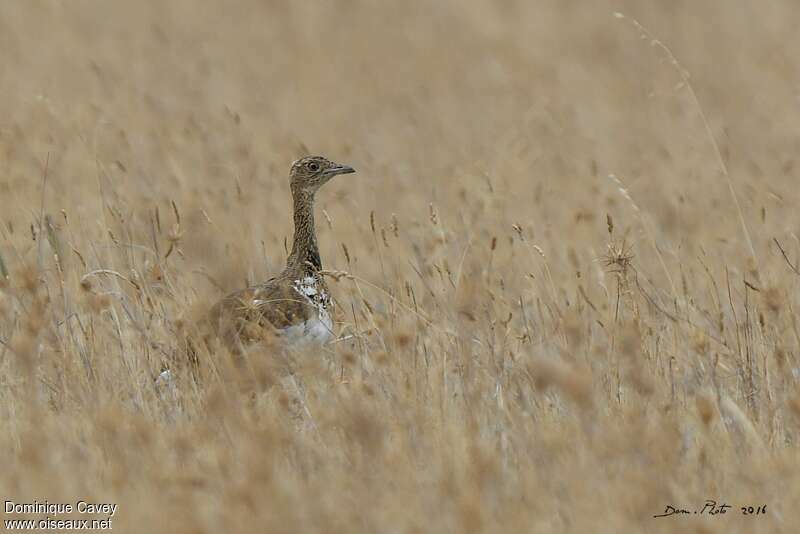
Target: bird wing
271 306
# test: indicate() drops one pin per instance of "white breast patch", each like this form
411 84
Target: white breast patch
317 329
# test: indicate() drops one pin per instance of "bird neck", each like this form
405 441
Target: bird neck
305 253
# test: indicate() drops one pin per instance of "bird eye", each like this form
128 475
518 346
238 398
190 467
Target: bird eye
313 167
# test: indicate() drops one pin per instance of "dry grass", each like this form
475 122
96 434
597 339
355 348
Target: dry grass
568 262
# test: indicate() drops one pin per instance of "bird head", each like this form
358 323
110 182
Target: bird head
311 172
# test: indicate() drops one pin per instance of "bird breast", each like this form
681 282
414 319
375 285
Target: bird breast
318 328
315 330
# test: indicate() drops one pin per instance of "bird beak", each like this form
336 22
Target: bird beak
340 169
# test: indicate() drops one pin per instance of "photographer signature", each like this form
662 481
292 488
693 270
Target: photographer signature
712 507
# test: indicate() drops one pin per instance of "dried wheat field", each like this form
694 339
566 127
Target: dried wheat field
566 272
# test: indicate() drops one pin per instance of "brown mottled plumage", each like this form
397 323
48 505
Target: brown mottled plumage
295 304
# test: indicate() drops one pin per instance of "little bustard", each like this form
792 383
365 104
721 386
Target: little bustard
295 304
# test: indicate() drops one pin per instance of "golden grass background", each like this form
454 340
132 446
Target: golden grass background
517 365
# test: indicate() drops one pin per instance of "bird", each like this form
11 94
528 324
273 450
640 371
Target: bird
295 305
